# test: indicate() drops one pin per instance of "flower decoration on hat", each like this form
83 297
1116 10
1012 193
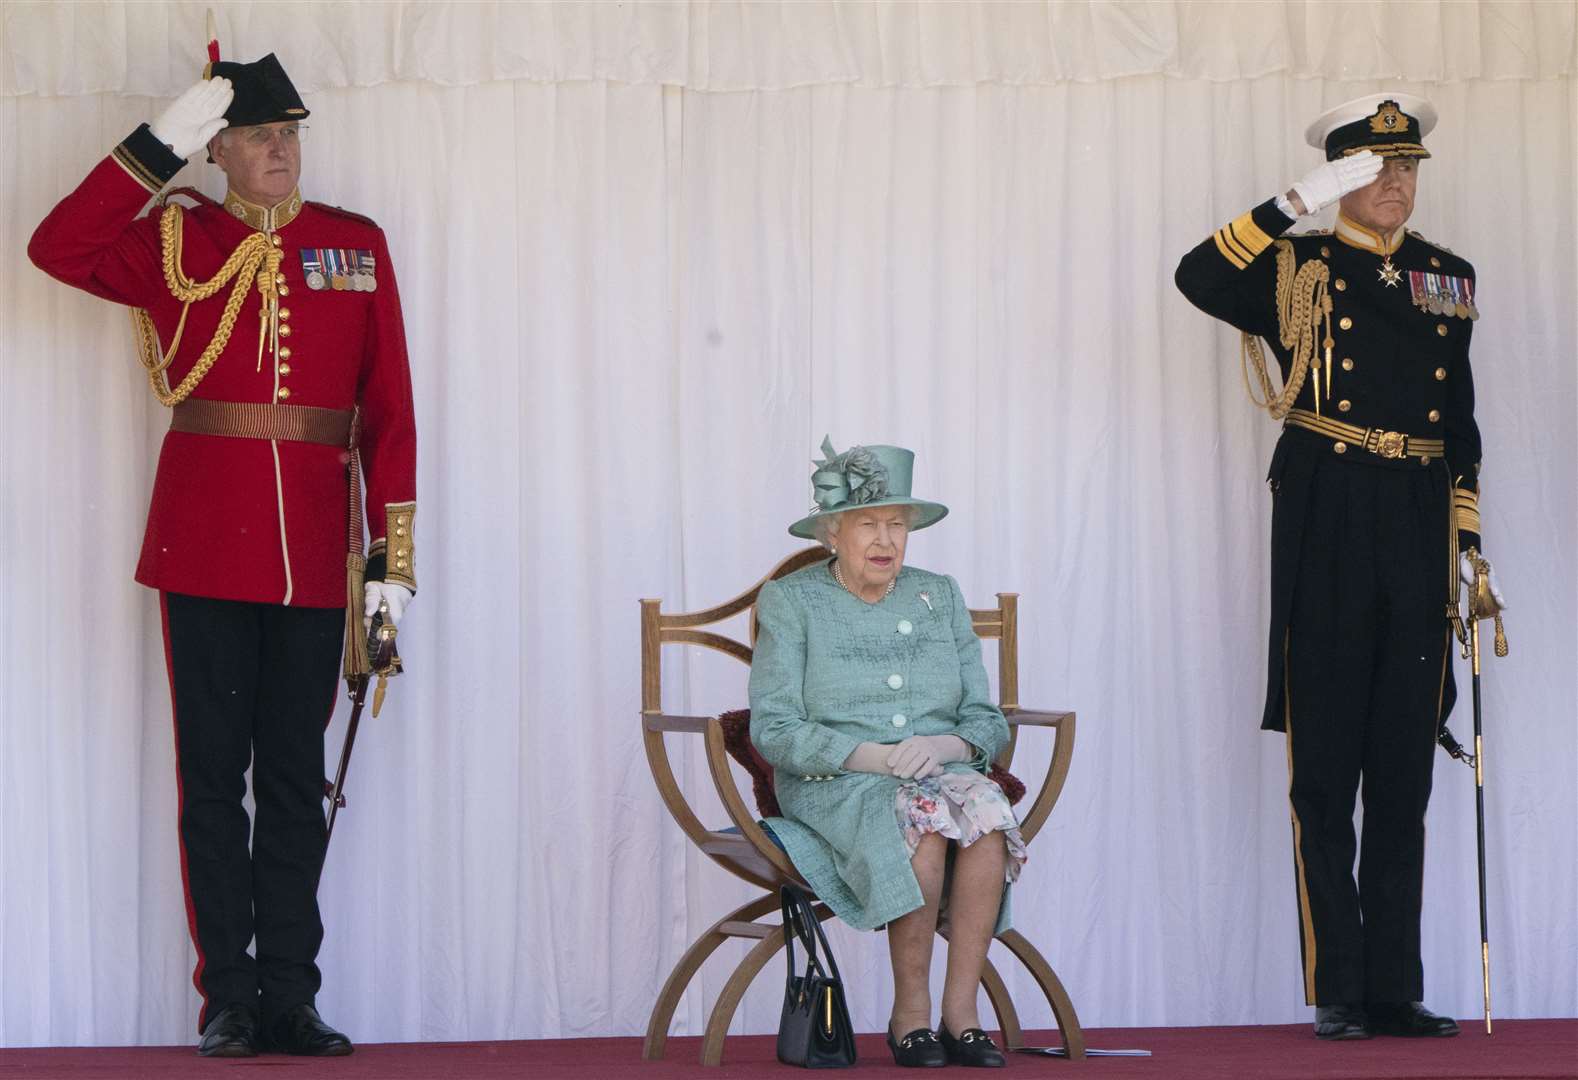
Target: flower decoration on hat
854 477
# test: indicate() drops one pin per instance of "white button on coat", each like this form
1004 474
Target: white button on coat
895 682
905 626
899 719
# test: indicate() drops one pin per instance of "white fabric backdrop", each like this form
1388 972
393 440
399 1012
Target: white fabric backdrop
634 309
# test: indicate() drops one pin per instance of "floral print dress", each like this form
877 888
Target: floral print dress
962 806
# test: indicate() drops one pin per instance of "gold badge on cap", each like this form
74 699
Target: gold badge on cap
1388 119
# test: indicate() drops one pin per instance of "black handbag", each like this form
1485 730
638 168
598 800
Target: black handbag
814 1031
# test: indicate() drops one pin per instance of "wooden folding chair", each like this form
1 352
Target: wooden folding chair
746 851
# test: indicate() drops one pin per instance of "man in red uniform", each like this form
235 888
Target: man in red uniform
271 327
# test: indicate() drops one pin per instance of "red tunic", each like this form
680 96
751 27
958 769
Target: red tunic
242 518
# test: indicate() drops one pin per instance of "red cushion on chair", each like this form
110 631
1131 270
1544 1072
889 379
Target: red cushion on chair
737 741
1012 786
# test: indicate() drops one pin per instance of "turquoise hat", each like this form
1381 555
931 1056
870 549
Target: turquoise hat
864 476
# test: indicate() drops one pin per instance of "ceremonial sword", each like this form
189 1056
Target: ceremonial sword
1481 605
384 661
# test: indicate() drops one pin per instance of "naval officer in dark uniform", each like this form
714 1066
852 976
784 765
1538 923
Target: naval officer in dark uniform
1375 485
271 327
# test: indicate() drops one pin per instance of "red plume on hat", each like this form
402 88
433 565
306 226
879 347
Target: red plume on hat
213 46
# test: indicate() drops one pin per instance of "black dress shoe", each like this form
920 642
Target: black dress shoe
973 1047
1411 1020
918 1050
1336 1022
233 1032
300 1030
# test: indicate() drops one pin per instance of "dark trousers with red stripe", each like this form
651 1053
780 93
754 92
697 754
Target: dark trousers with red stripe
1367 650
252 684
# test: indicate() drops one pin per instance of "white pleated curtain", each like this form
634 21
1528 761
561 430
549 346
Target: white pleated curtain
650 254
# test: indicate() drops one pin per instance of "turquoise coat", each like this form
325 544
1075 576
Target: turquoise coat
831 671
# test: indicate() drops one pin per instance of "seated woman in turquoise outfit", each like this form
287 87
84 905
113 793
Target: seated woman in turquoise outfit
869 698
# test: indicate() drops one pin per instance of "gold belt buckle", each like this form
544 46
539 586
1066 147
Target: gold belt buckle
1390 444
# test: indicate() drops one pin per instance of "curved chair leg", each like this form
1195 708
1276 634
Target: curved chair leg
733 990
1003 1006
1057 997
685 970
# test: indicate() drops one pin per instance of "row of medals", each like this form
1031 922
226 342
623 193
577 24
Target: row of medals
1446 304
360 281
1438 303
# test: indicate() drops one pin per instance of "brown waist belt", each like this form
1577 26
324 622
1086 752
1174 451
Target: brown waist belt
256 420
1386 444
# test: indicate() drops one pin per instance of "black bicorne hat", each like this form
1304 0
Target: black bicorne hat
264 93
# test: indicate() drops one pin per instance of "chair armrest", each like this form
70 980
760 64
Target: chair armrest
669 722
1020 717
1063 726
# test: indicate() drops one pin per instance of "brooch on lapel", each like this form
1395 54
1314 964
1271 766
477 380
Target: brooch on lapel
925 598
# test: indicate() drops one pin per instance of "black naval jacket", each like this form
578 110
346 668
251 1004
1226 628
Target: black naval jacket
1396 368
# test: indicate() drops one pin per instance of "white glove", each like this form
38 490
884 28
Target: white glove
194 117
924 755
375 593
1327 183
1465 570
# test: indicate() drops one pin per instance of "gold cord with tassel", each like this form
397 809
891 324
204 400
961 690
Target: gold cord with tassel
254 259
1303 303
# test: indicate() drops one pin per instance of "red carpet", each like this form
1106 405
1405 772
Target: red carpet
1520 1049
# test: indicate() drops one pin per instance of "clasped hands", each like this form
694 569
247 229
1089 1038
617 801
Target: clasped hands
916 758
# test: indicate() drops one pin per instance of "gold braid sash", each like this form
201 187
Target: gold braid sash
1303 302
243 265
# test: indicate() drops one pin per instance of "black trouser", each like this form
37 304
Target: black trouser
252 684
1366 656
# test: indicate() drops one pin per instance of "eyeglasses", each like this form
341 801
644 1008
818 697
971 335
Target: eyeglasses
289 135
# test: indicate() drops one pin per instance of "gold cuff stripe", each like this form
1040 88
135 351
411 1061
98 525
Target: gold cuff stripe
136 169
398 527
1251 236
1465 509
1239 247
1222 245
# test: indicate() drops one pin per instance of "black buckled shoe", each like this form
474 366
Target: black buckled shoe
973 1047
232 1033
300 1030
1339 1022
918 1050
1410 1019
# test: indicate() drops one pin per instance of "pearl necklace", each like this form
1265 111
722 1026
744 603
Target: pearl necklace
838 576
